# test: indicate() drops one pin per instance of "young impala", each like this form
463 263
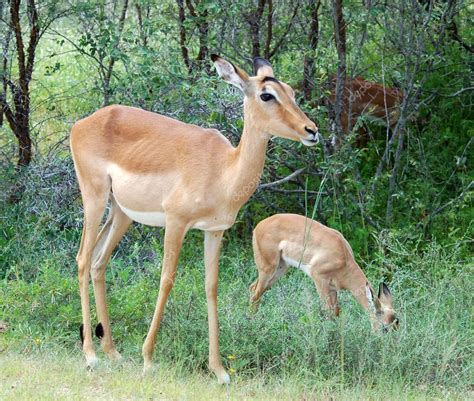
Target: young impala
285 240
162 172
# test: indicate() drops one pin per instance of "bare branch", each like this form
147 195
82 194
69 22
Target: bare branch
284 35
457 93
283 180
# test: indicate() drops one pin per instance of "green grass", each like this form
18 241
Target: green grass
286 350
49 376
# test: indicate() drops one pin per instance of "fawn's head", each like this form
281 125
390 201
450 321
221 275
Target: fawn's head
386 318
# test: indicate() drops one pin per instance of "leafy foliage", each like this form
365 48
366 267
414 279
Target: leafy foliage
85 59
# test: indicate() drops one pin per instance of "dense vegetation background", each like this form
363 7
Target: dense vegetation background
402 197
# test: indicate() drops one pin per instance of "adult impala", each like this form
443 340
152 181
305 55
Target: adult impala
163 172
285 240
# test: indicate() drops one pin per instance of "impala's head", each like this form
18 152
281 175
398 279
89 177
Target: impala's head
386 317
269 103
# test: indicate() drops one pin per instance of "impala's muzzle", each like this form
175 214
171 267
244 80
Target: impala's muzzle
312 138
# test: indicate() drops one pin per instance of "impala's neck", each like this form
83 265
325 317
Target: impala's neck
248 163
357 287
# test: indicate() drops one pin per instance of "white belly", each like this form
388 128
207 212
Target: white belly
156 219
297 264
208 226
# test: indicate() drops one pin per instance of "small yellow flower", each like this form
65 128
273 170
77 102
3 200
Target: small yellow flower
38 341
231 357
232 371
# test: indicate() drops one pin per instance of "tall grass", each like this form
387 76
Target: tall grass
289 334
288 339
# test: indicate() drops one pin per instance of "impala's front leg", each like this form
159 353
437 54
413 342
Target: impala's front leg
212 244
174 235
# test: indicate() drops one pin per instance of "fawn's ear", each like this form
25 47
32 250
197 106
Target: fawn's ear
385 296
230 73
374 303
370 295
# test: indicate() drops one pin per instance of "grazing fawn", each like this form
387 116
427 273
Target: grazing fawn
285 240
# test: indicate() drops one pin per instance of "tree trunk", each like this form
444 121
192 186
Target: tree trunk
110 67
269 30
182 34
309 58
254 20
24 145
202 24
340 38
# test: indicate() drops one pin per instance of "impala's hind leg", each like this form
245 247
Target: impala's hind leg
114 228
270 267
94 195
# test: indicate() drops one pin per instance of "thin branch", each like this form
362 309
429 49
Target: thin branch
7 112
297 191
470 88
143 35
460 196
283 180
108 72
284 35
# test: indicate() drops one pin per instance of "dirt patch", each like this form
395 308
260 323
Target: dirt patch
3 327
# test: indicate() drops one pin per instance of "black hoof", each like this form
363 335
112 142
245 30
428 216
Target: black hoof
99 331
81 333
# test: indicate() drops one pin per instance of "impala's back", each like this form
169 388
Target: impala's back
293 240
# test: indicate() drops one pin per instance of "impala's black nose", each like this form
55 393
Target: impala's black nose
310 131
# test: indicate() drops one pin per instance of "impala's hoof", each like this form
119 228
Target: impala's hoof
147 366
91 362
222 377
114 356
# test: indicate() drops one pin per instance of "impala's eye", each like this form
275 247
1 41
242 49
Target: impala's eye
266 97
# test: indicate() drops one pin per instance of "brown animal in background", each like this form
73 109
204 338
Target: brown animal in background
162 172
368 99
285 240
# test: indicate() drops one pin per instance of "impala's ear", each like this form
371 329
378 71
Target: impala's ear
374 303
230 73
262 67
385 296
370 295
